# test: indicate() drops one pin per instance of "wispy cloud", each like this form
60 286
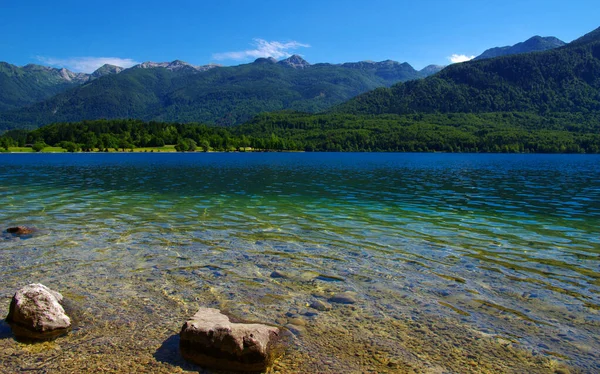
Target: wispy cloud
87 64
262 48
460 58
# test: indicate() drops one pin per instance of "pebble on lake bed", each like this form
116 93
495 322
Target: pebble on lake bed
320 305
36 313
211 340
347 297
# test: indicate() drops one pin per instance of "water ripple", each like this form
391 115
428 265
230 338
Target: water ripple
499 241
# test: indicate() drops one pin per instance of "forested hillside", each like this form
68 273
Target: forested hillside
22 86
219 95
566 79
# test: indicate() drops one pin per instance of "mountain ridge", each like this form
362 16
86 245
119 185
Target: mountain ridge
560 79
226 95
533 44
21 86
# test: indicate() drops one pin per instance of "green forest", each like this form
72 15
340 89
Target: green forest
224 96
511 132
565 79
543 102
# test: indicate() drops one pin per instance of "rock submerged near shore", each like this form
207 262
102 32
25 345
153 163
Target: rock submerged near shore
20 230
211 340
36 313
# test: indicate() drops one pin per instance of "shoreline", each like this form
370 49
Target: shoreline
307 152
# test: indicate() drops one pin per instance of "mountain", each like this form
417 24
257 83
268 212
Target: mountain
295 62
589 37
388 70
176 65
23 86
106 69
181 92
431 69
534 44
565 79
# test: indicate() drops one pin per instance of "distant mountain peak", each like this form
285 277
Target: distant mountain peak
35 67
70 76
178 64
61 73
534 44
265 60
431 69
106 69
174 65
295 62
374 64
536 40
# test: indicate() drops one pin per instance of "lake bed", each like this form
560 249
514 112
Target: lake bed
458 262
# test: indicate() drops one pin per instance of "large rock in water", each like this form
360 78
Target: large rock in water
36 313
211 340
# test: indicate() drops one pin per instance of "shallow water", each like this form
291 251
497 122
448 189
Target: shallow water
497 254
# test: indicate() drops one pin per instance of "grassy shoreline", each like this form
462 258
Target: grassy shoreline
165 149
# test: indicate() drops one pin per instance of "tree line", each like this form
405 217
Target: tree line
512 132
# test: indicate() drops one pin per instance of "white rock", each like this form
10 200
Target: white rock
211 340
36 313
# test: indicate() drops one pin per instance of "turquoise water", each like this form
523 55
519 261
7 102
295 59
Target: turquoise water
504 245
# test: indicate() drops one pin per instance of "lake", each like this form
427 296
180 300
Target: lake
459 262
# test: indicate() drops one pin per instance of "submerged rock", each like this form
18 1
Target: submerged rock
297 276
297 330
278 274
36 313
347 297
211 340
320 305
20 230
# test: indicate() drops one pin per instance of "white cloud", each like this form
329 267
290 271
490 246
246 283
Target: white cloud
87 64
262 48
460 58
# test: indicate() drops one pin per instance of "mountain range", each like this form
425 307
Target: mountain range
23 86
181 92
564 79
33 95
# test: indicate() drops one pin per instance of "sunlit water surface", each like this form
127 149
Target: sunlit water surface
507 246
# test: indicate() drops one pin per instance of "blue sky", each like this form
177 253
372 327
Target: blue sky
81 35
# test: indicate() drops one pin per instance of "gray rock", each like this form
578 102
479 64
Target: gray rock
320 305
211 340
297 276
36 313
347 297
